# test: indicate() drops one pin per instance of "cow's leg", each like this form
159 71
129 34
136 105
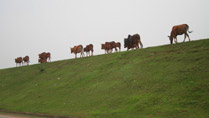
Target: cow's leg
82 53
175 38
184 37
187 36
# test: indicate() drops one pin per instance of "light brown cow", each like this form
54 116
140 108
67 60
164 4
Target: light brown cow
89 48
78 49
179 30
26 60
19 61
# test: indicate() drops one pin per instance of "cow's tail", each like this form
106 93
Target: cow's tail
188 29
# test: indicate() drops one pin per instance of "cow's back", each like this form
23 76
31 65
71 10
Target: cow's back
179 29
19 60
79 48
26 59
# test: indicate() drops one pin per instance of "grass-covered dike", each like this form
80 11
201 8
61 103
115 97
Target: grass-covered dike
170 81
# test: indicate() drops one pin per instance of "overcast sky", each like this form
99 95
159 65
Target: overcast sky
29 27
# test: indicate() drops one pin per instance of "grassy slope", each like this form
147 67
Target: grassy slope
160 82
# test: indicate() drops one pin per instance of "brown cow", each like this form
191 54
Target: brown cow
111 46
45 56
89 48
106 47
179 30
26 60
132 42
19 61
78 49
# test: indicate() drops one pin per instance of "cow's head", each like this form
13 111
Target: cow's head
171 39
71 50
103 46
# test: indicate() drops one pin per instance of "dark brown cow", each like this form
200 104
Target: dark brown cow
78 49
89 48
19 61
132 42
44 57
26 60
179 30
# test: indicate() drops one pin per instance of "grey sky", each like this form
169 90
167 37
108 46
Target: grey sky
29 27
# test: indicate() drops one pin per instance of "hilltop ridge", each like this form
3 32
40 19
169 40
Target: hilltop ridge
157 82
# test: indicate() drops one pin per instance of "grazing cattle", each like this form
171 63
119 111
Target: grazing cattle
44 57
19 61
132 42
26 60
78 49
89 48
179 30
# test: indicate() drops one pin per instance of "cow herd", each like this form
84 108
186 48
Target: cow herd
22 61
131 42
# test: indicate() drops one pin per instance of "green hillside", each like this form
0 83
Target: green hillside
170 81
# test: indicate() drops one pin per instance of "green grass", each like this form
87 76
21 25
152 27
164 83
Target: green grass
170 81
